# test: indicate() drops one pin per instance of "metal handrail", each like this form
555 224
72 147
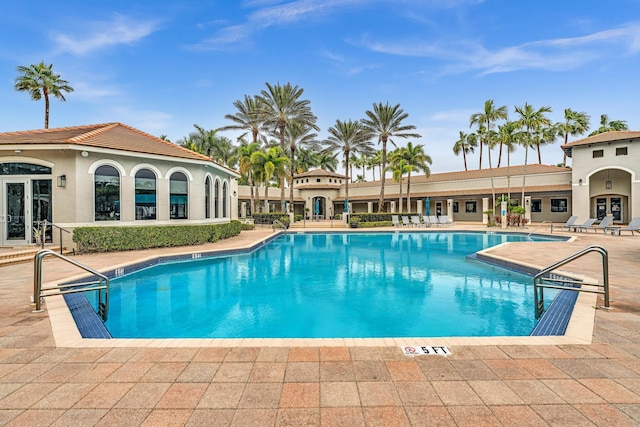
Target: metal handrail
44 231
99 285
540 225
539 285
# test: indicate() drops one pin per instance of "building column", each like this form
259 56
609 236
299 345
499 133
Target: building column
485 207
450 208
243 209
419 206
392 206
503 214
369 207
527 208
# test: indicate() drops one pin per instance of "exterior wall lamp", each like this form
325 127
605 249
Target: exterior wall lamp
580 181
62 181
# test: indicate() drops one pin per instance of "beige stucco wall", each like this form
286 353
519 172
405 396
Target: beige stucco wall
589 176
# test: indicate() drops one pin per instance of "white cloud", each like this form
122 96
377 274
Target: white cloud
147 120
91 92
119 30
280 14
555 54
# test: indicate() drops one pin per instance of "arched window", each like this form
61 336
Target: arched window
145 183
216 198
207 197
224 200
107 194
178 196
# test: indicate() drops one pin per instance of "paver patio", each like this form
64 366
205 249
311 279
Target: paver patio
496 384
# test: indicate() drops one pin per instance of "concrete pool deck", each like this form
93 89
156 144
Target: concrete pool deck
340 383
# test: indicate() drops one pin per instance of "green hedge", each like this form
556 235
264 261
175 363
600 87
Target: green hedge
106 239
385 216
375 224
268 218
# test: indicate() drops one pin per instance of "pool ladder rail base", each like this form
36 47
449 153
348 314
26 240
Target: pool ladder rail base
545 279
100 285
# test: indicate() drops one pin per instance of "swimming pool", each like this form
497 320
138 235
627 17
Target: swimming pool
331 285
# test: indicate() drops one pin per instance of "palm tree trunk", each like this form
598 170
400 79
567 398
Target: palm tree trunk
493 190
266 197
464 156
346 184
46 108
253 204
480 165
293 159
499 156
382 175
409 192
400 197
524 171
539 156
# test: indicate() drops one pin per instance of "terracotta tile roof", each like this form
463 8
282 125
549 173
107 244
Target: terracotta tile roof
603 137
515 190
532 169
320 172
116 136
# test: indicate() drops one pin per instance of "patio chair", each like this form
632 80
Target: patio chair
604 224
405 221
633 226
433 220
445 220
425 221
585 226
395 219
415 221
570 223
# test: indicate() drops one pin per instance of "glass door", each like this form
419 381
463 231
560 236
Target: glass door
15 215
616 208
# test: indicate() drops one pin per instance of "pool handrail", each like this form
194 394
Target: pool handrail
571 285
100 285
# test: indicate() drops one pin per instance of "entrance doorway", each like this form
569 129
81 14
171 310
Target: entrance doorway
318 208
15 212
614 205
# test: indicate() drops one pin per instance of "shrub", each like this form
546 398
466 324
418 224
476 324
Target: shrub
107 239
268 218
375 224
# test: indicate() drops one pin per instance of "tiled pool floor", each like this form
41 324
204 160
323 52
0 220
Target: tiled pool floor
495 383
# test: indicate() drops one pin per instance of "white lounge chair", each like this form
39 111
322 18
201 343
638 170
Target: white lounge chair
433 220
445 220
415 221
425 221
395 219
570 223
405 221
585 226
604 224
633 226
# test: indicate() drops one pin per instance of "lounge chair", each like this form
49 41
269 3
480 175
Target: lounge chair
633 226
433 220
415 221
396 220
425 221
570 223
444 220
604 224
405 221
585 226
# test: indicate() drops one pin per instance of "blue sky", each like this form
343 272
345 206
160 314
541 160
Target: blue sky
162 66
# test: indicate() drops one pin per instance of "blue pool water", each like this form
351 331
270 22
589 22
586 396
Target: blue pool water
330 285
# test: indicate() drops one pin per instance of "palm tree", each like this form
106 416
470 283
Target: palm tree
398 167
530 122
298 134
348 137
546 135
282 105
269 164
245 151
38 80
574 124
466 144
327 161
385 121
249 118
417 160
607 125
486 118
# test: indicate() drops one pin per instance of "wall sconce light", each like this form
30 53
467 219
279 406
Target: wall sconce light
235 193
18 151
580 181
84 154
62 181
609 185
